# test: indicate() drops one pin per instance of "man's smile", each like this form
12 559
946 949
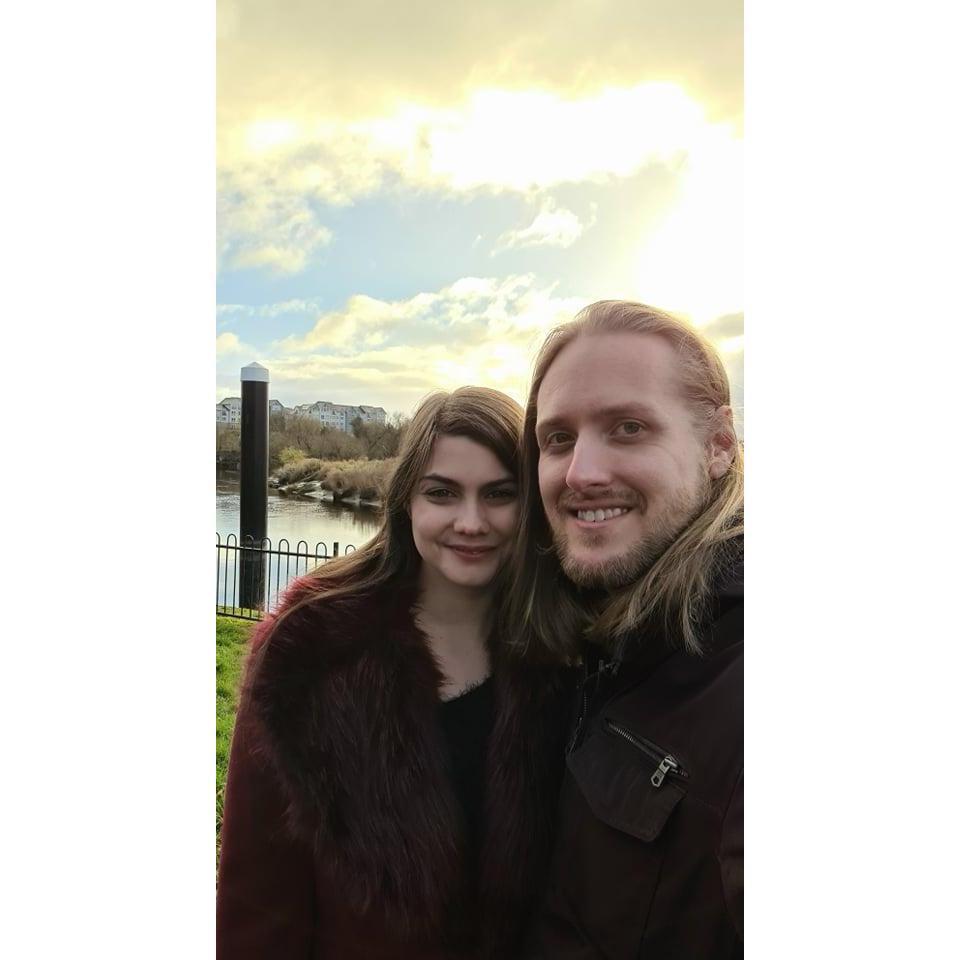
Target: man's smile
598 516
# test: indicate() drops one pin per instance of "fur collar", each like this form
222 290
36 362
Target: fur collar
345 692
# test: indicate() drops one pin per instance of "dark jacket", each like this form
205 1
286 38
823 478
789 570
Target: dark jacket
342 835
649 859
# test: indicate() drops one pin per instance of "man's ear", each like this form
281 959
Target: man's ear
721 444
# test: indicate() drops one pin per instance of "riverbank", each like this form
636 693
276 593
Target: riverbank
359 482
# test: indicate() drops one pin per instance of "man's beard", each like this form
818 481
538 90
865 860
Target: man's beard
636 560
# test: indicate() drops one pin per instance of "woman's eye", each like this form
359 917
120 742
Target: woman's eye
441 493
502 493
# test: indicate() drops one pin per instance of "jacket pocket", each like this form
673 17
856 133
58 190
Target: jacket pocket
628 782
613 839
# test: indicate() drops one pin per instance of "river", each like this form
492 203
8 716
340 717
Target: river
309 525
297 518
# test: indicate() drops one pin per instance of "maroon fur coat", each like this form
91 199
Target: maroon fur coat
342 836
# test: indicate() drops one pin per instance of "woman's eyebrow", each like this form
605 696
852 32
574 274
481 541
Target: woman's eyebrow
438 478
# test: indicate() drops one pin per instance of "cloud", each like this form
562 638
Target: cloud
397 377
263 223
268 311
227 343
322 105
275 175
357 59
551 227
468 313
499 139
391 353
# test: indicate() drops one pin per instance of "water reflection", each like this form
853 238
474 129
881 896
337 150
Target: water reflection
298 518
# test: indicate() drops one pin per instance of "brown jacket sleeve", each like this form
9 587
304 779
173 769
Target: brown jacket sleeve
265 892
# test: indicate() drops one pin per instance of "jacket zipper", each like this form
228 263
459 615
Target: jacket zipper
575 736
603 667
666 764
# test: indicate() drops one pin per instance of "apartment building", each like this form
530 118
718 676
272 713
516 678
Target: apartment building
337 415
340 415
228 410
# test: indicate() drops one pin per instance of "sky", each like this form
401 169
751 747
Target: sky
410 195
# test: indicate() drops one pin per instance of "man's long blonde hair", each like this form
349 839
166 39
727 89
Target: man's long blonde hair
546 614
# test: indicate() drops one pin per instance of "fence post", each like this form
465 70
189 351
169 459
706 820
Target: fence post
336 548
254 464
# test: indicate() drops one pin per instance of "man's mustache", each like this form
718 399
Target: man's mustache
577 501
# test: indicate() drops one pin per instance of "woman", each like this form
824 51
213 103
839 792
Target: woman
393 769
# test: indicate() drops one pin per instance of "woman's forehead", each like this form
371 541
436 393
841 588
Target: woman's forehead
465 460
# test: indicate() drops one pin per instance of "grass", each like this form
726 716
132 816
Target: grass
232 637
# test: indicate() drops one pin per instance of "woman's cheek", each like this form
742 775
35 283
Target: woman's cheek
511 520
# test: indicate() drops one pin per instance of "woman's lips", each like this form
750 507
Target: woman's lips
470 553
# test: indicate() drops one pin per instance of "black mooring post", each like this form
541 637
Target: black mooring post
254 463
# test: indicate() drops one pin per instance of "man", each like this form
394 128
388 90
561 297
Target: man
629 563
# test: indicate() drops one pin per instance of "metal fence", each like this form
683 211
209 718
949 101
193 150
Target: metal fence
251 576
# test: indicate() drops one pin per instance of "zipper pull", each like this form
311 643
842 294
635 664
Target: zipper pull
598 677
667 765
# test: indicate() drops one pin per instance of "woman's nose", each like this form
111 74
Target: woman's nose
470 519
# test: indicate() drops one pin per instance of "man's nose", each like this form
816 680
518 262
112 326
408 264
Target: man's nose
471 518
588 467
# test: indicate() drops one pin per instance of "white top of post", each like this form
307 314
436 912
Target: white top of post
255 371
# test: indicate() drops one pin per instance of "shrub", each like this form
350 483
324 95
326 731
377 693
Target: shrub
306 468
291 455
366 479
335 482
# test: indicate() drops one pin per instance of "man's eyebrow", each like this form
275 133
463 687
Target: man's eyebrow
439 478
545 425
627 410
604 413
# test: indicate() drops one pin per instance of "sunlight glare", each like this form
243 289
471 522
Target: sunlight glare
263 136
693 262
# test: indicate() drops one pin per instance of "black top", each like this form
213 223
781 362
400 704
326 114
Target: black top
466 721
